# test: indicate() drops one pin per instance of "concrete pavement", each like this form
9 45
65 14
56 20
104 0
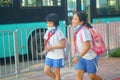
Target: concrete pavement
109 69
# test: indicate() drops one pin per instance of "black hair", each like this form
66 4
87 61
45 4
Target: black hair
83 17
53 18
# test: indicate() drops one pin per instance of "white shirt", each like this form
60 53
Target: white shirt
55 39
82 36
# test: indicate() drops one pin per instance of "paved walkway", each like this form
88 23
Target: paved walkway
109 69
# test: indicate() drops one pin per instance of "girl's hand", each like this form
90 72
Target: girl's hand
75 60
48 48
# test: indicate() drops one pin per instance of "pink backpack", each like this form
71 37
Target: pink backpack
98 43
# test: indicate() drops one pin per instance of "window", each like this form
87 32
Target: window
108 7
71 7
37 3
6 3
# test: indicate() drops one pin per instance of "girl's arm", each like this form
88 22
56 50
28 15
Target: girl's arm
87 46
83 52
62 45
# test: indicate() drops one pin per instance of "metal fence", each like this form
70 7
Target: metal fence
21 49
110 33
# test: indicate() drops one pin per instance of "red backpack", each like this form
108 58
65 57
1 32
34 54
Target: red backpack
98 43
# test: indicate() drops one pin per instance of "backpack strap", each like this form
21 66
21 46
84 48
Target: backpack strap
93 32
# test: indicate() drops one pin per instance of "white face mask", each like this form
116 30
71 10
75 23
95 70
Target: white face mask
51 28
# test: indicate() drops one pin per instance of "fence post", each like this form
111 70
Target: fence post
108 44
16 53
69 39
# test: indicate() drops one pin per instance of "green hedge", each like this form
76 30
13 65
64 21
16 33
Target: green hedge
116 53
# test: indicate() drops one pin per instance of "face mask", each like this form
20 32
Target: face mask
51 28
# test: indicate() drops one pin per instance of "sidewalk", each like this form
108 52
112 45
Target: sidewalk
109 69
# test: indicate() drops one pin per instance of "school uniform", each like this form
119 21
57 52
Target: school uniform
88 62
55 57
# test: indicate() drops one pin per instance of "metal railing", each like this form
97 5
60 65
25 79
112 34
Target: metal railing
20 49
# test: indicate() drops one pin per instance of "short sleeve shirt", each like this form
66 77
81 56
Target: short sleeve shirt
55 39
83 36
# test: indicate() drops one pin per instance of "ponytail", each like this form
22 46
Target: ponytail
88 25
83 17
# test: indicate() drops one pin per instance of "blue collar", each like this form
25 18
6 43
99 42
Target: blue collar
77 28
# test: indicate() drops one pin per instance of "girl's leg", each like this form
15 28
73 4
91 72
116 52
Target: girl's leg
57 74
94 77
92 66
79 74
47 70
98 77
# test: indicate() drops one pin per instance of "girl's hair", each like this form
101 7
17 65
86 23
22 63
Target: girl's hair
53 18
83 17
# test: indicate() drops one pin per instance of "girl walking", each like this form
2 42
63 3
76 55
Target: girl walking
85 59
55 44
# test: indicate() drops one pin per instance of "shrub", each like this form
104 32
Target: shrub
115 53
